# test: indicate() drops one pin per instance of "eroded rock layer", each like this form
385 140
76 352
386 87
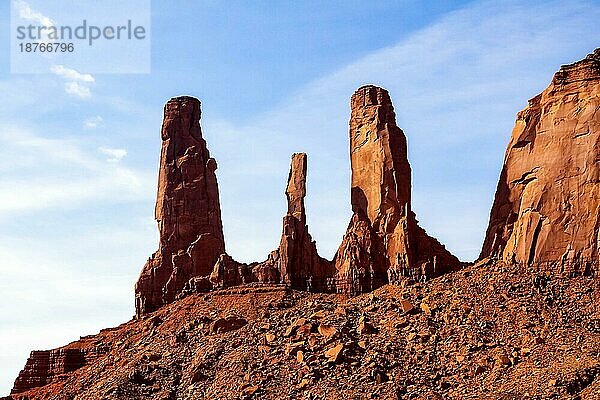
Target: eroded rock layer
547 204
383 240
46 366
187 209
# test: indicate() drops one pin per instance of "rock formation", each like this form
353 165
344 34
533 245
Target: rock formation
547 204
46 366
187 209
191 256
383 240
295 263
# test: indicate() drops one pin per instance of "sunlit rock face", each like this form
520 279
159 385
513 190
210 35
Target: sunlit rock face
383 240
547 205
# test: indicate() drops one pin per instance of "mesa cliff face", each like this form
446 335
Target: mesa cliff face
187 209
547 205
383 240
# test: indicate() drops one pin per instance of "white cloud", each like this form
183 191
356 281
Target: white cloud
114 155
93 122
27 13
77 83
62 173
71 74
78 90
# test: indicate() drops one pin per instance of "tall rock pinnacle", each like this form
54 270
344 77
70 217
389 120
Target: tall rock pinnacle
299 264
295 263
378 156
547 204
187 209
383 240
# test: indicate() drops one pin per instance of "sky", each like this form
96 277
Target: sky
79 151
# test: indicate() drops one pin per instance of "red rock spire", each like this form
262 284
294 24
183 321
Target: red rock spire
187 209
383 240
298 263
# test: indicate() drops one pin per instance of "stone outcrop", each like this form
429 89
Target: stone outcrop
295 263
187 209
383 240
547 204
46 366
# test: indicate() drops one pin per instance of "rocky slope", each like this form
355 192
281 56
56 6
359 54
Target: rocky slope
524 322
491 331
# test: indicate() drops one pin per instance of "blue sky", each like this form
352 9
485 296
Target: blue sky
78 165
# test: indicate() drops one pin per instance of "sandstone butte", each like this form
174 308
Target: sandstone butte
545 220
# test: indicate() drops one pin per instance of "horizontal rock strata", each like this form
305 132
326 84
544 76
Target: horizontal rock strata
46 366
